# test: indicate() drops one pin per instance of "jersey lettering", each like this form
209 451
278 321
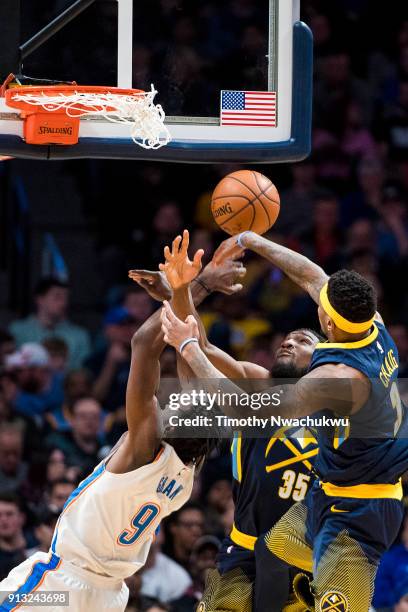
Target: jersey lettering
167 488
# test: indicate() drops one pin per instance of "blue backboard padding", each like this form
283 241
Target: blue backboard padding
16 147
295 149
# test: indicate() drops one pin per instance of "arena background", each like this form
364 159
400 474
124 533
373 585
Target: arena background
87 222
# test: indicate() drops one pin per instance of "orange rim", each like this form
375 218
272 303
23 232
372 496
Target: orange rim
53 90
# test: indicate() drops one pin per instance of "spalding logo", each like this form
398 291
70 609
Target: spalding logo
55 130
222 210
334 601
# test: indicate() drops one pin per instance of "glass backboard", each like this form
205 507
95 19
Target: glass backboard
234 77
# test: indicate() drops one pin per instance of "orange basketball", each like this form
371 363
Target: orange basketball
245 200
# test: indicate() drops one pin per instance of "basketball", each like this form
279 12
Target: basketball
245 200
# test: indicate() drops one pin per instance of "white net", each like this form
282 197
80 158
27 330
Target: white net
139 111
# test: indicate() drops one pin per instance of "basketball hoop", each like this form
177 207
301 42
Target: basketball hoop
52 113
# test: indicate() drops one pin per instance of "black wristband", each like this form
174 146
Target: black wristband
203 285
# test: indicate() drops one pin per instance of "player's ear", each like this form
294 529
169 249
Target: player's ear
330 325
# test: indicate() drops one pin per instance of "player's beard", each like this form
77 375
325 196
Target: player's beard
287 369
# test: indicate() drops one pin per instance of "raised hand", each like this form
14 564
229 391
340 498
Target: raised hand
176 331
179 270
154 282
228 249
224 277
224 270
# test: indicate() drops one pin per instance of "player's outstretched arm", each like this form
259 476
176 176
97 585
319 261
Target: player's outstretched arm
340 388
147 345
183 306
306 274
219 275
180 270
142 412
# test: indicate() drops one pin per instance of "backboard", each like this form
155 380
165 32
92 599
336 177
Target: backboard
234 77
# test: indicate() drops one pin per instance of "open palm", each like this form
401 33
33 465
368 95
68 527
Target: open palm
179 270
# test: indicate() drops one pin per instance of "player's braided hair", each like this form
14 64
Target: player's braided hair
192 450
352 296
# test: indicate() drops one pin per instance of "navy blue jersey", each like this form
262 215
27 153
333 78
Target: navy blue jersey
269 476
366 451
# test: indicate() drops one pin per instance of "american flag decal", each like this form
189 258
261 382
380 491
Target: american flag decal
248 108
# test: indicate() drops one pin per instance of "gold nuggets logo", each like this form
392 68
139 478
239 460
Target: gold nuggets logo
334 601
201 607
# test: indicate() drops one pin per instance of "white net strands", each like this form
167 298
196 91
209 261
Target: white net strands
138 110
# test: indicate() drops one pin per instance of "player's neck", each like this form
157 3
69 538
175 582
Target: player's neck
345 337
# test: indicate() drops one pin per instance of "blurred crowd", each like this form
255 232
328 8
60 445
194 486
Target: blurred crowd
63 386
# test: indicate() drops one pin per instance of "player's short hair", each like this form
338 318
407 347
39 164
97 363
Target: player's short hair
319 337
352 296
47 283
